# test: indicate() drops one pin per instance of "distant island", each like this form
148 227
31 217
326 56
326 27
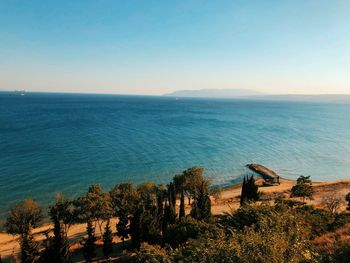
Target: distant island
215 93
249 94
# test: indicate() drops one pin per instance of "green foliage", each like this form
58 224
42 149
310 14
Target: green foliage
248 215
179 233
29 249
250 191
281 202
89 245
94 206
276 237
124 198
193 177
180 185
208 250
152 254
107 240
303 188
123 229
62 216
24 216
201 207
320 221
145 226
188 228
63 210
170 213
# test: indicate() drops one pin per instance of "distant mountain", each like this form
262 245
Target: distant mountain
215 93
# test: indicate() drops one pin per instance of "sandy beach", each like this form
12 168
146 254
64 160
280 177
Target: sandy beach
229 200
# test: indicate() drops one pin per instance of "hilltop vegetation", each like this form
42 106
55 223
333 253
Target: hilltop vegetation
174 223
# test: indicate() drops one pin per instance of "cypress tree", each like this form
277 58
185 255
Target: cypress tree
166 217
172 204
122 226
244 191
135 228
253 190
201 207
250 191
107 240
182 206
61 253
29 249
89 244
57 248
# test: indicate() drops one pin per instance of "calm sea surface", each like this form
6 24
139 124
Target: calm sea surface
63 143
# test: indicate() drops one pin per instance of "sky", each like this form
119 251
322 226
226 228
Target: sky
155 47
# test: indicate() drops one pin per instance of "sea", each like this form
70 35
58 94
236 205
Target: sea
52 142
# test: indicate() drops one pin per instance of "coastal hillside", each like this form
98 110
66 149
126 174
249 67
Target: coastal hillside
215 93
188 220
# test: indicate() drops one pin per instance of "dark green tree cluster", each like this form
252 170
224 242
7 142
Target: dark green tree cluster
57 247
162 229
144 213
250 191
303 188
89 244
20 221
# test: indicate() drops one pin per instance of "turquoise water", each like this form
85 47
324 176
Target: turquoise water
63 143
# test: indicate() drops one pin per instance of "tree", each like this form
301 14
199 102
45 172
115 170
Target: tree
193 177
243 191
250 191
61 214
95 206
180 184
20 221
135 228
64 211
303 188
201 207
23 217
347 199
107 240
89 245
124 199
332 202
122 227
171 212
29 249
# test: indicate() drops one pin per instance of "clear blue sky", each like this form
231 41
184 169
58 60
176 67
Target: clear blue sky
153 47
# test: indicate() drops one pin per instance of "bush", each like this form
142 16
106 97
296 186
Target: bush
247 215
273 236
188 228
321 221
152 254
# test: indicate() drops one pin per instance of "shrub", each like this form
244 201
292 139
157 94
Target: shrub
188 228
152 254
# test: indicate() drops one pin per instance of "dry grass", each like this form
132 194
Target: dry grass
330 242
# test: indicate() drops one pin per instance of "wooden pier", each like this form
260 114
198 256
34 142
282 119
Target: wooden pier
269 176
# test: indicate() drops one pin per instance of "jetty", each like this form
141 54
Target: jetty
269 176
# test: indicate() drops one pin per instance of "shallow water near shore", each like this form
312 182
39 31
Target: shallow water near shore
65 142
